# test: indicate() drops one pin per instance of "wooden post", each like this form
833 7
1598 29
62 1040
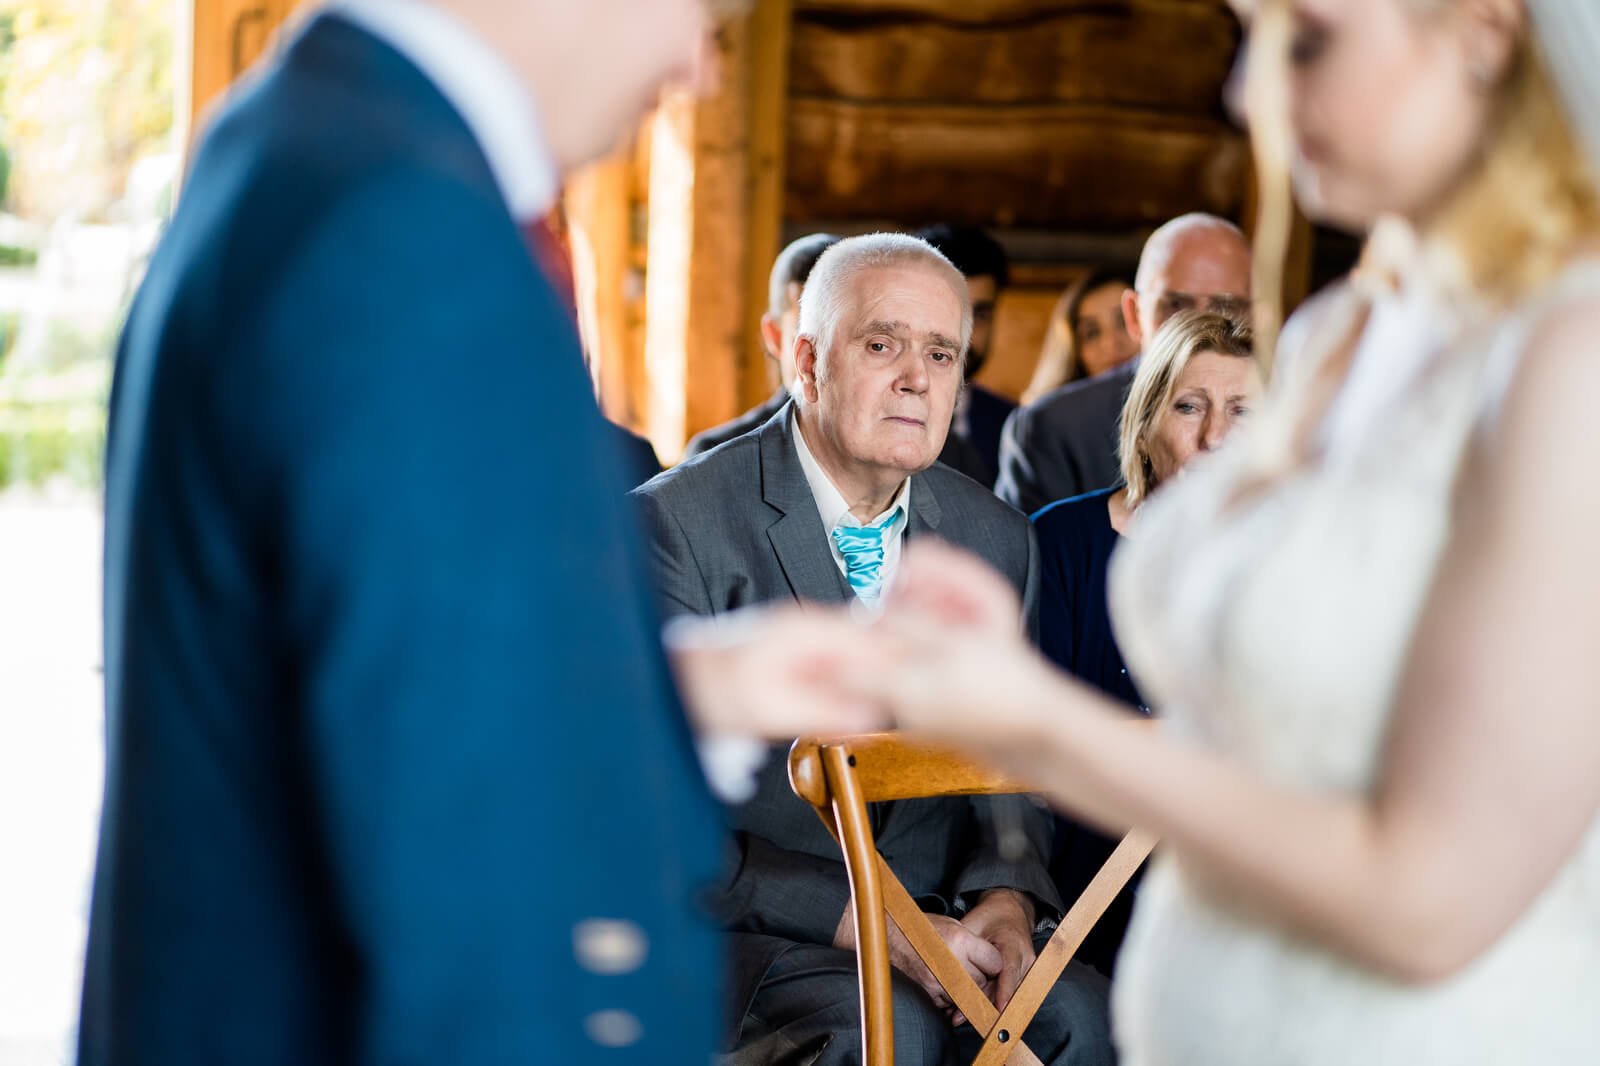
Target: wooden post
770 37
601 204
716 195
229 35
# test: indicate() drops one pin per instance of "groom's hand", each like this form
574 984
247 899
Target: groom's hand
774 672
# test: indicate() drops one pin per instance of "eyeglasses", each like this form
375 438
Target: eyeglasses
1234 307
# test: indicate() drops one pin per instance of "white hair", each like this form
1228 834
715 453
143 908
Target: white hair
829 288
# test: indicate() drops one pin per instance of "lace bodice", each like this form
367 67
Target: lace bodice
1275 627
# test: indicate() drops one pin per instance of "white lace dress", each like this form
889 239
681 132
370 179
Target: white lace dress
1276 630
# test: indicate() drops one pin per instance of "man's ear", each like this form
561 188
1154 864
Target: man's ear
772 336
805 367
1130 316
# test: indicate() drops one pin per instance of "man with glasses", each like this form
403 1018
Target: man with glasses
1065 443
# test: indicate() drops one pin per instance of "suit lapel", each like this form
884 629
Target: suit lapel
925 511
797 537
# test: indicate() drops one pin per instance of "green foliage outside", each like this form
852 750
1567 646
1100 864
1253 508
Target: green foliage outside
87 92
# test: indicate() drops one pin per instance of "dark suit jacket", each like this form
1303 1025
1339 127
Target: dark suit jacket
961 455
1065 443
387 713
739 526
986 418
638 455
752 419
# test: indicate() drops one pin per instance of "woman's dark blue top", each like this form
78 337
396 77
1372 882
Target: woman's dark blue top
1075 545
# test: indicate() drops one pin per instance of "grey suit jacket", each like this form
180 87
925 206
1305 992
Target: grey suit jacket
752 419
738 526
1065 443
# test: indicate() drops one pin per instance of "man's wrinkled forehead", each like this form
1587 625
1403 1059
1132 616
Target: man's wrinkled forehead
914 297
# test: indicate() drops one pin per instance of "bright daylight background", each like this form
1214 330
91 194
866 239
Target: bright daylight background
88 155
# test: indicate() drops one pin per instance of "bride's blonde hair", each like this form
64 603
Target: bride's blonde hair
1532 192
1512 220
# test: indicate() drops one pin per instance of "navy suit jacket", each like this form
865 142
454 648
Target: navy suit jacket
1064 444
986 419
389 722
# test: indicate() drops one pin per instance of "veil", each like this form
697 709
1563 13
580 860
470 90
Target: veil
1568 32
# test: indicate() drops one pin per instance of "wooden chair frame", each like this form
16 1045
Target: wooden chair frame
839 776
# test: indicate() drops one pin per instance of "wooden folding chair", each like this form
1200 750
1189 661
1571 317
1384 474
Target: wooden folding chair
839 776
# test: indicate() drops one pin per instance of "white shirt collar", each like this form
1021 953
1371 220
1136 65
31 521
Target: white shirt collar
489 96
831 504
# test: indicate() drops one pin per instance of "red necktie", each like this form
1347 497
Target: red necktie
550 254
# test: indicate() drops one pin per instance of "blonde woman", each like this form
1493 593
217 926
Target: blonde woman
1087 334
1371 623
1196 382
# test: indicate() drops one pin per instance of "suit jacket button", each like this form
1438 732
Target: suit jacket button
609 946
613 1028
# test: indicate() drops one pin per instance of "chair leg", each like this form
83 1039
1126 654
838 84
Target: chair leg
872 931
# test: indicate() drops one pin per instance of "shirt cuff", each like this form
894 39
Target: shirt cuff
731 764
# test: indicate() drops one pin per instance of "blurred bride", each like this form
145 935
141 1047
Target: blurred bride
1372 621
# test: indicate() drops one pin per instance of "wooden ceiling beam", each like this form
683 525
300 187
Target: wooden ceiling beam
1062 167
1117 56
979 12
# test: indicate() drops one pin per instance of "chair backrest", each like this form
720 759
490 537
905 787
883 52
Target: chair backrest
839 776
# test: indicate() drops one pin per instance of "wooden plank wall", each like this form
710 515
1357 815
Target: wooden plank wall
1070 127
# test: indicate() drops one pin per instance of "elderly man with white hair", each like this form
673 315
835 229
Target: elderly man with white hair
816 506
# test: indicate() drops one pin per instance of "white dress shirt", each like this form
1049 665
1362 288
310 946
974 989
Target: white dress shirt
835 512
483 88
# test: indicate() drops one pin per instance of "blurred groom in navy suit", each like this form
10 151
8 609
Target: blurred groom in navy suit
396 769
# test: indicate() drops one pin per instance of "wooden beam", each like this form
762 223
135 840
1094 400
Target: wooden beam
1112 55
1022 317
767 88
1058 167
716 194
983 11
229 36
599 203
695 284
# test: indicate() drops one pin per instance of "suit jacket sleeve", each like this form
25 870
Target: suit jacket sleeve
771 889
1035 467
1014 837
438 629
780 892
680 584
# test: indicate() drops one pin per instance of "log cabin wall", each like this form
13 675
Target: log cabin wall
1071 128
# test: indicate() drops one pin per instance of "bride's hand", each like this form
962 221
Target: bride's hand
943 585
959 667
775 672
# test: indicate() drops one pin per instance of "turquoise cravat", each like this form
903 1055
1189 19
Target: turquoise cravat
862 548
